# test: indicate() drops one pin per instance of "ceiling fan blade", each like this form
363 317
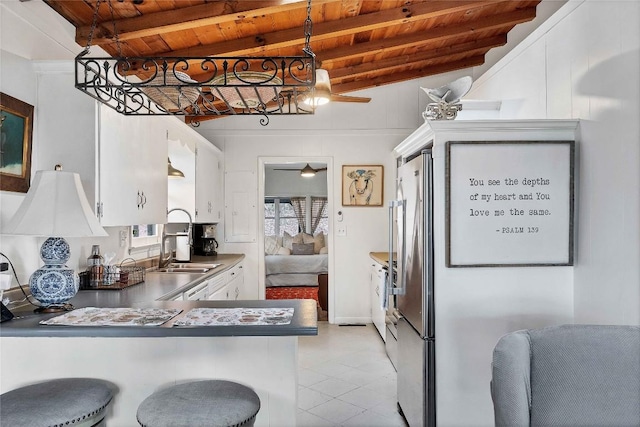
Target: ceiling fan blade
290 170
346 98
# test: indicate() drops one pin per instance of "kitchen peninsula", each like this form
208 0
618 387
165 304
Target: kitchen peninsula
142 359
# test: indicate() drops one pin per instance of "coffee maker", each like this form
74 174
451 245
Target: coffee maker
204 241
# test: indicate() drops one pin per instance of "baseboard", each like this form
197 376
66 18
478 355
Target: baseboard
352 320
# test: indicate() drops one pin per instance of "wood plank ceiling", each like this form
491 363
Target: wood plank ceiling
362 43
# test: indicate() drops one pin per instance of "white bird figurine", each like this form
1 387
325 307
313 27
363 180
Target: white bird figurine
446 105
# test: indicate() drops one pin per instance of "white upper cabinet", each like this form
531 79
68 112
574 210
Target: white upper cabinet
122 160
208 184
132 169
200 189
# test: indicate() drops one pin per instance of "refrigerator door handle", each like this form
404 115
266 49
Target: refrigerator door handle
391 289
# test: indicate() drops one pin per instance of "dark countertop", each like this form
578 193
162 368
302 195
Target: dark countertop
304 322
156 291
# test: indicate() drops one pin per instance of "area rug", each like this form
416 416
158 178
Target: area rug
293 292
297 292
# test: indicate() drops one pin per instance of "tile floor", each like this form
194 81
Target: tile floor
346 379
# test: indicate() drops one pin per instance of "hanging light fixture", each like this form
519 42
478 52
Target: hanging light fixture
196 87
308 171
173 172
321 93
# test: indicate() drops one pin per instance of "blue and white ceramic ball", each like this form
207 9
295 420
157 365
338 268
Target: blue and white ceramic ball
55 251
54 284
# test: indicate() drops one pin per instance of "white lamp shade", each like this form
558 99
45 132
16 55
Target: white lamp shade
322 89
55 205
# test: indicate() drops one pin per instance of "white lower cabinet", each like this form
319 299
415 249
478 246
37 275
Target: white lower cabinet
376 286
235 282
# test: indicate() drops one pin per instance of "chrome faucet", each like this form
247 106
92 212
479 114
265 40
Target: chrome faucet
164 260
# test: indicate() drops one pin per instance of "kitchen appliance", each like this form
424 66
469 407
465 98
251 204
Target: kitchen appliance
204 241
183 248
411 216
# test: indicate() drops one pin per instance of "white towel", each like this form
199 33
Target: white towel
383 290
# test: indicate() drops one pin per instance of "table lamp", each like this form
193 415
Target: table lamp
55 206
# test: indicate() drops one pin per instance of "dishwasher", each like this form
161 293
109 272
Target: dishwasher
197 293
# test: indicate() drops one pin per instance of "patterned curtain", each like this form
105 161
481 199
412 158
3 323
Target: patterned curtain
318 206
299 207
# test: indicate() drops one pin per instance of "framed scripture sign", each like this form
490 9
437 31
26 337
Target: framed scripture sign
509 203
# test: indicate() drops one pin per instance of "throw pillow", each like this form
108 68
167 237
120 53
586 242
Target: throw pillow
324 250
283 251
271 245
318 242
302 249
288 240
307 238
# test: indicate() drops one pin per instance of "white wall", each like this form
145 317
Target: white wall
584 64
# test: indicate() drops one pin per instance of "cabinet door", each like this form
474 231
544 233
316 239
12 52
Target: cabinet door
207 184
132 169
236 283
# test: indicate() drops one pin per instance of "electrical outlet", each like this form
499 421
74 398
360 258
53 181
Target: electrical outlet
123 238
341 230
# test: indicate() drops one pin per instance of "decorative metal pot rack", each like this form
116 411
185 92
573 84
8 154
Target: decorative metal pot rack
222 85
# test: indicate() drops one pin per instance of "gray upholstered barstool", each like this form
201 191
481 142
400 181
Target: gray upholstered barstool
214 403
78 402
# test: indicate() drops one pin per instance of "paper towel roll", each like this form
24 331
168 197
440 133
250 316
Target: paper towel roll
5 282
183 250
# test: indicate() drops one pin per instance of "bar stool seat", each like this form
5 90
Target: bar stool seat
57 403
215 403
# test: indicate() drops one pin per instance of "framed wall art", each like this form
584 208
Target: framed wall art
16 128
362 185
509 203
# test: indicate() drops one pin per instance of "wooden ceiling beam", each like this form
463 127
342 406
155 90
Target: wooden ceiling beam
408 75
186 18
500 21
257 44
475 47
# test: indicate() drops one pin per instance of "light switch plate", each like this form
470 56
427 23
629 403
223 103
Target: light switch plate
341 230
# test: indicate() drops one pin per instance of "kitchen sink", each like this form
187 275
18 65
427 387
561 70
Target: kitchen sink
192 265
183 270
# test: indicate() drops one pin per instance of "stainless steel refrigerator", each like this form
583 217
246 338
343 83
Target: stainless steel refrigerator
411 215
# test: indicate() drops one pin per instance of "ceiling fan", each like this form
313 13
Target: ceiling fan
322 92
306 171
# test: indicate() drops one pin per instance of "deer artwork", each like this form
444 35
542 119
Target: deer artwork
361 187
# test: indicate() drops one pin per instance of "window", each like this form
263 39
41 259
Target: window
143 235
279 217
